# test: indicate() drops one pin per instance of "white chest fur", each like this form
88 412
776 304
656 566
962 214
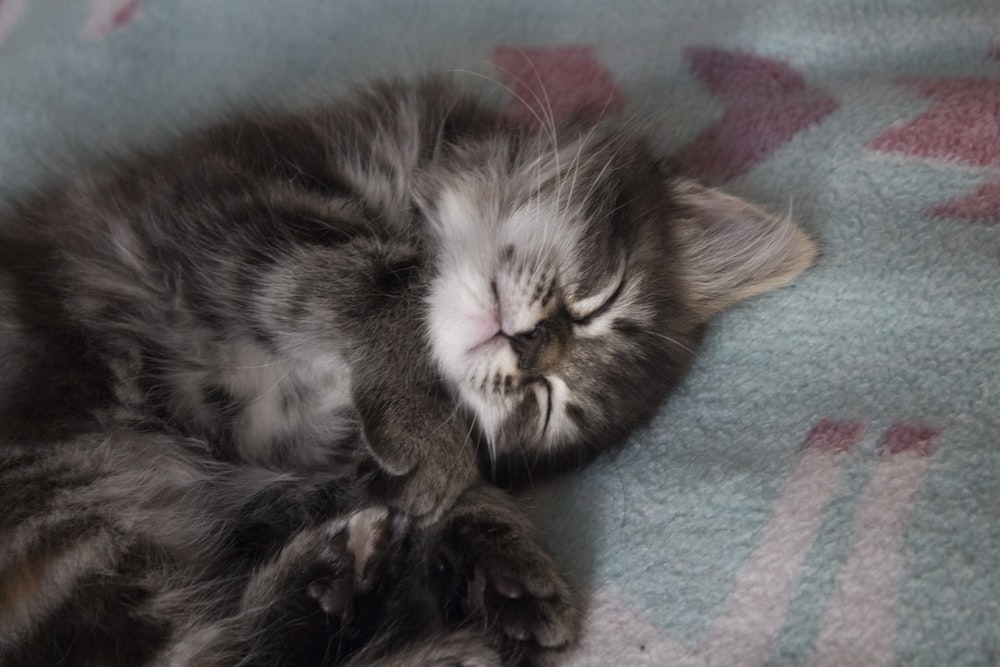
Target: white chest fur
284 408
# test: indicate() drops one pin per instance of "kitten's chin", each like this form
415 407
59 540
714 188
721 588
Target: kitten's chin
473 364
487 415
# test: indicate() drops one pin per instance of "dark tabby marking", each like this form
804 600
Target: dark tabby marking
247 385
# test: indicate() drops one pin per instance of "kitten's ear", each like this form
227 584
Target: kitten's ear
733 250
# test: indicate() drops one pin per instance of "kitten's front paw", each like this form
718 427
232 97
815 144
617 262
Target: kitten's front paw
351 559
334 589
500 574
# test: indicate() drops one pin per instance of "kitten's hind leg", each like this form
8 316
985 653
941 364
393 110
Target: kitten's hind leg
336 589
357 551
494 570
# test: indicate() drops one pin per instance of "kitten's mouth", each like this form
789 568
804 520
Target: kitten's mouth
487 342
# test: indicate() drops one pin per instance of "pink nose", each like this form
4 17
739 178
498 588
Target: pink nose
487 324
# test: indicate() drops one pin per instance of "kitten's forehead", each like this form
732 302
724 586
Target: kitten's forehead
517 167
479 215
545 212
544 225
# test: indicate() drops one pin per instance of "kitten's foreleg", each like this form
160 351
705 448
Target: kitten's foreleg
423 450
411 428
506 578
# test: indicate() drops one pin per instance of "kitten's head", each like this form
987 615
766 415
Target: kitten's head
574 279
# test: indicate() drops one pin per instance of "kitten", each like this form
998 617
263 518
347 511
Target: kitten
249 383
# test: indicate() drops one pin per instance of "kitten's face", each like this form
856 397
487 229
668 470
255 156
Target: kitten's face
557 315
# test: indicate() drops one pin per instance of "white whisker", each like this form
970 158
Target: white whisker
507 88
673 341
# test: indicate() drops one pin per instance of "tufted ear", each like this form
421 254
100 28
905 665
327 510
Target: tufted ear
733 249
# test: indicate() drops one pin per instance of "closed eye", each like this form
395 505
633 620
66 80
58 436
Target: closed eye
582 311
604 305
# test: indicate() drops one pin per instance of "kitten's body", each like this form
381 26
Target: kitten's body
250 339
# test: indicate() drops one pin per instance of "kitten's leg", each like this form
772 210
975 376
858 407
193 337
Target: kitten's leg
358 584
410 426
422 448
333 590
500 574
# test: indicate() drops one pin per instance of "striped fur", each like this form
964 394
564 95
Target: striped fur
248 383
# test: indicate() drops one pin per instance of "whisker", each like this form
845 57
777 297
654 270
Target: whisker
545 93
549 124
674 341
510 90
575 165
272 388
597 179
527 468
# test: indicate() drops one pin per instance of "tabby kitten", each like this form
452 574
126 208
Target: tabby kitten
248 383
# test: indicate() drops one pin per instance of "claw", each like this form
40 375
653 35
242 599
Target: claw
512 586
509 588
517 632
334 597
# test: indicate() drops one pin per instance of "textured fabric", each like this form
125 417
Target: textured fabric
825 487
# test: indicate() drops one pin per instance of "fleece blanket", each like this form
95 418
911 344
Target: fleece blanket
825 487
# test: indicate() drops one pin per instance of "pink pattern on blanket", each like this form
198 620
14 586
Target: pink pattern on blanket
10 12
834 436
858 619
962 125
858 626
745 627
983 205
915 438
766 103
107 16
564 82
